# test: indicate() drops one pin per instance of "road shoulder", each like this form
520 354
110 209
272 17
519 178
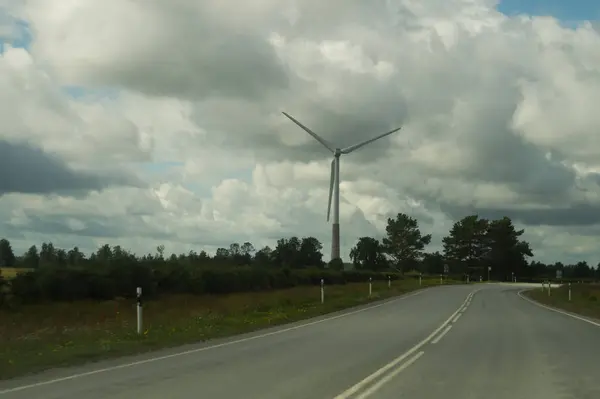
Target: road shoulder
526 295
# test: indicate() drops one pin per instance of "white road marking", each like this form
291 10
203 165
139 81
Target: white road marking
367 380
520 293
198 350
377 386
456 318
439 337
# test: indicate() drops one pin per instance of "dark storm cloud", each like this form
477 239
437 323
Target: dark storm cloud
29 170
509 159
574 215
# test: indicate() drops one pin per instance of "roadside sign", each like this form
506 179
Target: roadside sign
446 269
559 274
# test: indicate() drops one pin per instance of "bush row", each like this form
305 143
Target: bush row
109 282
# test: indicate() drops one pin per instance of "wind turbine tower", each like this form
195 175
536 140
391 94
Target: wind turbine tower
334 183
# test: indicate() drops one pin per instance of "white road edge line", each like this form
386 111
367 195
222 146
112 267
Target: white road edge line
193 351
456 318
520 293
367 380
439 337
377 386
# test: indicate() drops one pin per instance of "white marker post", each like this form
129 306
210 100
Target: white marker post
389 281
420 278
370 286
441 279
549 288
480 279
569 292
322 291
139 310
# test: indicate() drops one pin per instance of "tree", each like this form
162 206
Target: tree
61 257
222 254
47 254
433 263
75 256
160 252
234 249
582 270
404 242
7 256
104 254
466 246
368 254
286 252
248 249
507 253
241 254
31 259
264 257
298 253
310 254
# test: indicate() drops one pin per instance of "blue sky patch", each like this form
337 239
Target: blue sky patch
20 32
564 10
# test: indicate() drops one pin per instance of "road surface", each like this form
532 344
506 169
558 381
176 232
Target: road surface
453 342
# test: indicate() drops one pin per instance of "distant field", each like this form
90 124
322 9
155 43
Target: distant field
10 272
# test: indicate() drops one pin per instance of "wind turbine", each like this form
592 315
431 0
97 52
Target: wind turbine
334 183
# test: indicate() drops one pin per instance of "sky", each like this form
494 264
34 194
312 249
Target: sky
572 10
124 131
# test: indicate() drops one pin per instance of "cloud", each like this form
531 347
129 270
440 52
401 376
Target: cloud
497 116
183 49
28 170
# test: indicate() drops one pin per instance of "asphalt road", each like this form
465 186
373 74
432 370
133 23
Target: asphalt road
455 342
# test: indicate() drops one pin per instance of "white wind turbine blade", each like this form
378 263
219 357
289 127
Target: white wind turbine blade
348 150
325 143
331 181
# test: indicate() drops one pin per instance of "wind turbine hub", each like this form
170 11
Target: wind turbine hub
337 152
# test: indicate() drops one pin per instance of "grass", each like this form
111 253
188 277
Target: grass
39 337
10 272
585 298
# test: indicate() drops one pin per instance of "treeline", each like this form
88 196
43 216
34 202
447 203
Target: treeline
476 248
54 274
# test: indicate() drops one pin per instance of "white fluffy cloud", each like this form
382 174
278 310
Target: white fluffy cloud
172 109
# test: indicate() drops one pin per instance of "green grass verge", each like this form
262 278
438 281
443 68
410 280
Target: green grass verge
585 298
11 272
38 337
